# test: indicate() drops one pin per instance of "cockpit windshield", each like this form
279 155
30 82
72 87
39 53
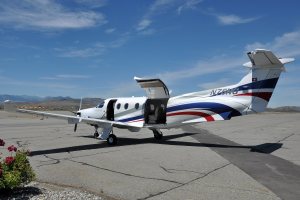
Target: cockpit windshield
100 105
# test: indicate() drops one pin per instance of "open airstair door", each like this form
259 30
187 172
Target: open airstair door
155 109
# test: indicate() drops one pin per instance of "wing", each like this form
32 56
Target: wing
74 119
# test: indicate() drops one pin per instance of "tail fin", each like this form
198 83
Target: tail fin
258 85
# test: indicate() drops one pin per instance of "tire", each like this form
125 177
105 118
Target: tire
112 139
158 136
96 135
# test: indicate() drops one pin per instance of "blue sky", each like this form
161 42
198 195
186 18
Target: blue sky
94 48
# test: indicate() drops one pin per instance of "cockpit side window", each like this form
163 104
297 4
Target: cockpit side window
100 105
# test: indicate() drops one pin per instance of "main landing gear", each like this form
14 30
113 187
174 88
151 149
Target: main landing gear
96 134
157 134
112 139
106 134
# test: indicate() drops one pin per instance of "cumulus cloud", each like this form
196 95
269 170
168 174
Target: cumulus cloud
46 15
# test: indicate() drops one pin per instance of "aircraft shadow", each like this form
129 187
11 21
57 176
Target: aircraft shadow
167 140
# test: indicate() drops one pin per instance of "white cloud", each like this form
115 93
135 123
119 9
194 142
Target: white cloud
215 84
144 23
46 15
110 30
189 4
5 81
202 68
74 52
234 19
211 66
66 76
147 32
92 3
287 44
94 50
158 7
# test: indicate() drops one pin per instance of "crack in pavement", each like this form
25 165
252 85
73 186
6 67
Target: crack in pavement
125 174
183 184
286 137
60 159
56 161
22 144
178 170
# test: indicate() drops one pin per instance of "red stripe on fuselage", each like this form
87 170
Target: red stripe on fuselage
263 95
206 116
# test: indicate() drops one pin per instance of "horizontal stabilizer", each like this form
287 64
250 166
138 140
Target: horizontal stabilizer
261 58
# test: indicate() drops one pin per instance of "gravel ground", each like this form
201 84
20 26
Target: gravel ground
39 191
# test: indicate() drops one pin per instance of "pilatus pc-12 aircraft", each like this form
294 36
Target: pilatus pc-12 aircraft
159 111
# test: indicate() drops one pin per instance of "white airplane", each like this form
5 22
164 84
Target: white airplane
159 111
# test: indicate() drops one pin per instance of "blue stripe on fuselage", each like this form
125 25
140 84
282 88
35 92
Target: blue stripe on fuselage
268 83
214 107
131 118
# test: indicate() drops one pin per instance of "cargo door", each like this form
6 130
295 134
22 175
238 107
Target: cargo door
155 110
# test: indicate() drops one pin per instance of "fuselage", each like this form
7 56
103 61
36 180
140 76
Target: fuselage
164 114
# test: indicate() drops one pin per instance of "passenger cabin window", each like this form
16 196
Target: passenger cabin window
118 106
126 106
137 105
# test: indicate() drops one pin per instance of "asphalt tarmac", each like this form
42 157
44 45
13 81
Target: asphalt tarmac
250 157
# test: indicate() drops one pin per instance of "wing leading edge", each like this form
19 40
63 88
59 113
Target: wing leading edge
74 119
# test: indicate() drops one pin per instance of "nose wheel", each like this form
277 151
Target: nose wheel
157 134
96 134
112 139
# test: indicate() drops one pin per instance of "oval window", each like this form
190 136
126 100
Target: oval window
118 106
126 106
137 105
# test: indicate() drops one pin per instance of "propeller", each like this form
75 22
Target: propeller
77 114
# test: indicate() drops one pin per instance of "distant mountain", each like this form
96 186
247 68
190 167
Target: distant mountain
284 109
49 103
20 98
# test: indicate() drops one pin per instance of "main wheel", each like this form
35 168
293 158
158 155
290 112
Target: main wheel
112 139
158 136
96 135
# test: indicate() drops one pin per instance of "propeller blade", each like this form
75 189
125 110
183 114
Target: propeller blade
75 127
80 104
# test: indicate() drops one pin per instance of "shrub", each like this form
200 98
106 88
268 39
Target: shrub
15 170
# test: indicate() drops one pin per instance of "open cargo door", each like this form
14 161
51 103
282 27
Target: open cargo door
155 110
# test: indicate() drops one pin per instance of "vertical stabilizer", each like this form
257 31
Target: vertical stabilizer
258 85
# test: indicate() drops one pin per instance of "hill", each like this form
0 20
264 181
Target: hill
49 103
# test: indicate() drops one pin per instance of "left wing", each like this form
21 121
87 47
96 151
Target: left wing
74 119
